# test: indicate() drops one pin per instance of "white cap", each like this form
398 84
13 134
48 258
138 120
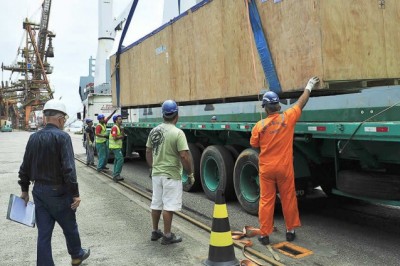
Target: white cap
56 105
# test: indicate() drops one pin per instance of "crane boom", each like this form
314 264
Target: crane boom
43 31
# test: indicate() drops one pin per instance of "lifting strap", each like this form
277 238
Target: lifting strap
263 49
117 66
250 231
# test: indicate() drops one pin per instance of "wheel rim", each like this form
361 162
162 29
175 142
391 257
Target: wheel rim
249 183
184 178
211 174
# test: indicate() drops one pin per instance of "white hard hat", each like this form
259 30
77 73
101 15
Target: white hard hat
56 105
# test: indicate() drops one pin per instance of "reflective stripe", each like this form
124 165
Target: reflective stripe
220 211
221 239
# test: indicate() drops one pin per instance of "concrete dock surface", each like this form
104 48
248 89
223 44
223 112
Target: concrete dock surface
113 222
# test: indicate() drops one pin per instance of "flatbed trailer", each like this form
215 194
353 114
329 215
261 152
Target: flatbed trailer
359 159
219 57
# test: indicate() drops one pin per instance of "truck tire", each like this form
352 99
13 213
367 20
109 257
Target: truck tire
216 169
235 150
196 156
368 184
246 180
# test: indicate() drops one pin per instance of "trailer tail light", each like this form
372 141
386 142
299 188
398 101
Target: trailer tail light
226 126
244 127
317 128
201 126
376 129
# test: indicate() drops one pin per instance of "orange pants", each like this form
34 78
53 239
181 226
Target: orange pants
283 178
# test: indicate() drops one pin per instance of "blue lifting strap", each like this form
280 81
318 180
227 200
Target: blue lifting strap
263 49
117 66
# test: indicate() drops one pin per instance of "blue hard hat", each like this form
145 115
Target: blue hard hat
270 97
214 117
169 108
88 120
100 116
115 117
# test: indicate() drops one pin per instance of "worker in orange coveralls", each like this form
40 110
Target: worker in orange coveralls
274 136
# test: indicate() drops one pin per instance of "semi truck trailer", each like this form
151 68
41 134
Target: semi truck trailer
218 58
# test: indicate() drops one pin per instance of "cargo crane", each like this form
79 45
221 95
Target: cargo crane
33 89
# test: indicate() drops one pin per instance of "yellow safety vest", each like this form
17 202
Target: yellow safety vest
115 144
103 133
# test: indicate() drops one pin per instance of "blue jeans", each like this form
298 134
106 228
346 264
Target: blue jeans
53 204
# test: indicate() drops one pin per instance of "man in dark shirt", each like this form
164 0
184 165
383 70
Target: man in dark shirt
89 132
49 164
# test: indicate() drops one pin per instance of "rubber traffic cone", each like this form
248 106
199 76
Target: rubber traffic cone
221 251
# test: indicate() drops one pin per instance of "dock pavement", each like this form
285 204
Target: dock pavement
113 222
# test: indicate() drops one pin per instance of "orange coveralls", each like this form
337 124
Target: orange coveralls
274 136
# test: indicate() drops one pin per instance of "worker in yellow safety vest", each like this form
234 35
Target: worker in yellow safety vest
115 145
102 141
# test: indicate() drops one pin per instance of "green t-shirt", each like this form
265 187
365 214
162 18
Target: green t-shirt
166 141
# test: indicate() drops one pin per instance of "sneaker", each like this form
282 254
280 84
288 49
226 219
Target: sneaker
290 236
155 235
118 178
171 240
105 168
264 240
92 164
78 261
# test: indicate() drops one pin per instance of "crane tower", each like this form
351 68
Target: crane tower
32 89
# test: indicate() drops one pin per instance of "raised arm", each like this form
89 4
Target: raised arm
312 83
108 117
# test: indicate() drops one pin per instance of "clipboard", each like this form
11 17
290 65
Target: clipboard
18 212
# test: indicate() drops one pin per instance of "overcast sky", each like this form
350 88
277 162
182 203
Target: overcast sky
75 24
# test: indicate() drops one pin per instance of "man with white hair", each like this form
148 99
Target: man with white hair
49 164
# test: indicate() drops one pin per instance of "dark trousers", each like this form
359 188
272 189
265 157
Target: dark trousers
53 204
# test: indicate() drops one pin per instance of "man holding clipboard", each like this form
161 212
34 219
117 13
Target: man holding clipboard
50 165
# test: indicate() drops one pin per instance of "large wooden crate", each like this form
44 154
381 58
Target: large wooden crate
209 54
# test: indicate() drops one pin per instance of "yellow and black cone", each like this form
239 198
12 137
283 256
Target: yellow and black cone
221 251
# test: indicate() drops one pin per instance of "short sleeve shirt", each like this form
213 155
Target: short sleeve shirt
90 130
274 136
166 141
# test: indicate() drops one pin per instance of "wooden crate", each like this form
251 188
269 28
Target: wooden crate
209 54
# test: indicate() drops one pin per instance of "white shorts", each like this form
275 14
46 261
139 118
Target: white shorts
167 194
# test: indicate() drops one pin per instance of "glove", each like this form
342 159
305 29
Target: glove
311 83
191 179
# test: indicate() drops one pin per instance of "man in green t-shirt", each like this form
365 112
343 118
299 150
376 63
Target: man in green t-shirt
167 152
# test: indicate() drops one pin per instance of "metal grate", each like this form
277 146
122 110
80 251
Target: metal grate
292 250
